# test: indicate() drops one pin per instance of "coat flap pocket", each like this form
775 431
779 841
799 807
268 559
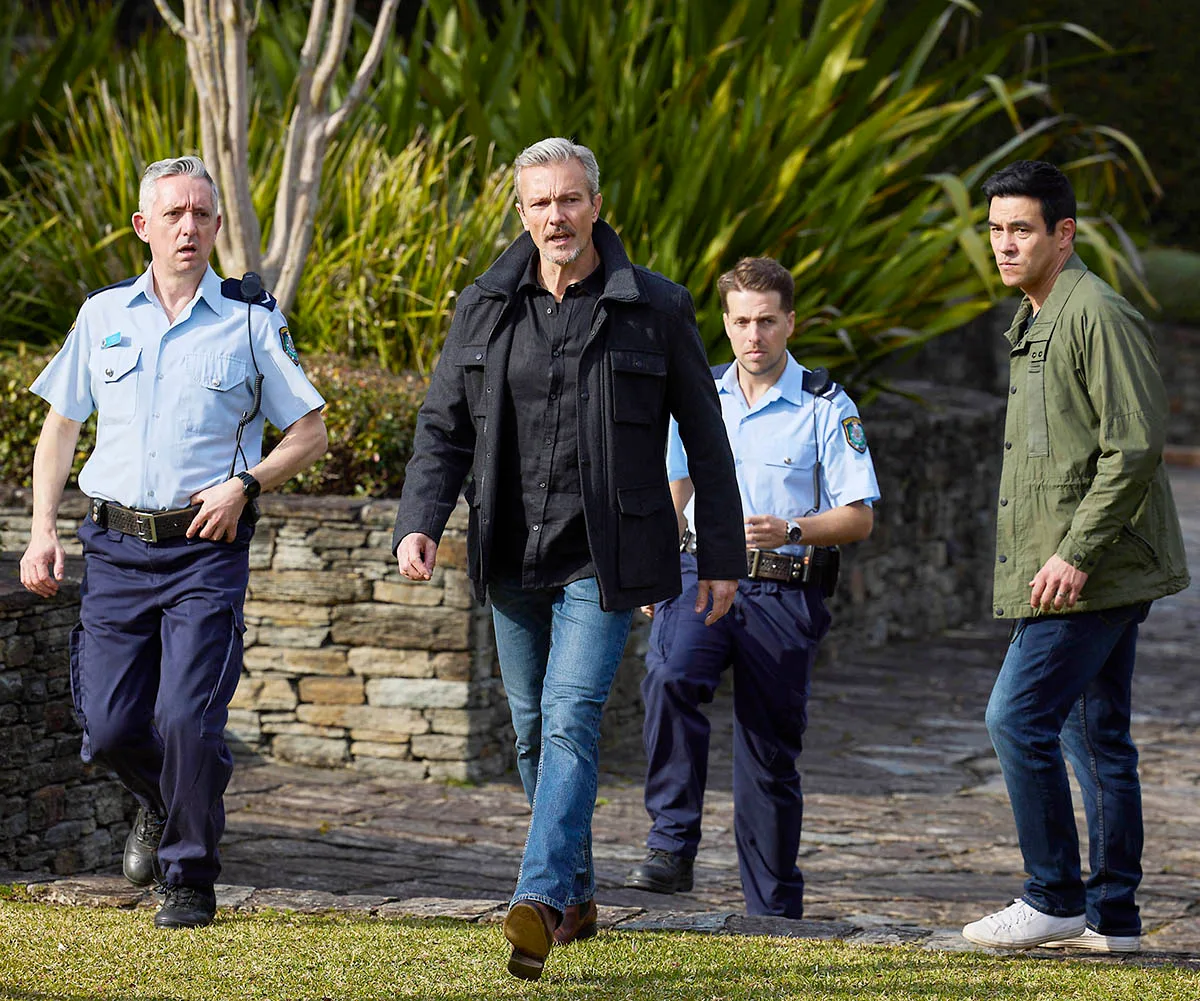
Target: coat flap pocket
116 363
639 362
641 501
471 355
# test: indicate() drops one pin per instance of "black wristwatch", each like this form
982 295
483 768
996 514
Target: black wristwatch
251 488
795 534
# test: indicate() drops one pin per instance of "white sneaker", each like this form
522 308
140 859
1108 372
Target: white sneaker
1093 941
1020 926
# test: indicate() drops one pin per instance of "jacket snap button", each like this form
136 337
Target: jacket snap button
108 371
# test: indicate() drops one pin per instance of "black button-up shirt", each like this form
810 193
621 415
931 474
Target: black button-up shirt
541 536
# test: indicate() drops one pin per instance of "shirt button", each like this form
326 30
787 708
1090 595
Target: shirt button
1079 557
583 396
216 382
555 353
1012 389
479 356
159 377
537 528
542 486
787 460
153 454
489 389
1004 502
549 442
1003 559
149 493
554 396
549 309
999 611
108 371
1007 444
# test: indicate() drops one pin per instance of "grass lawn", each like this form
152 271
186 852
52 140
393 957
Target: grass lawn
52 953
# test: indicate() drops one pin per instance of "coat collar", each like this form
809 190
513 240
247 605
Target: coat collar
1070 276
620 280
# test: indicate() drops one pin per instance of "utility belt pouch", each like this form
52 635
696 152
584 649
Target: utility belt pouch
821 567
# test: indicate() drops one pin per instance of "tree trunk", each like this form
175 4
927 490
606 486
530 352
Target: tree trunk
216 33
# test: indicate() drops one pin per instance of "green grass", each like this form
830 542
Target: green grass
63 954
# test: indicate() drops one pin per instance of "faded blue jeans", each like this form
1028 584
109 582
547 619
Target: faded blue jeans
1068 678
559 652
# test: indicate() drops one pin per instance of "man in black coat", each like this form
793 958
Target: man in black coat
551 402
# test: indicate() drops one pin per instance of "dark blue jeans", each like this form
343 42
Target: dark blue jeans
1065 687
559 651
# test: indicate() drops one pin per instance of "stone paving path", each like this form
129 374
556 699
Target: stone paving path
908 832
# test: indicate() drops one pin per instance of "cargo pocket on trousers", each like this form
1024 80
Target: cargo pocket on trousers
216 710
75 648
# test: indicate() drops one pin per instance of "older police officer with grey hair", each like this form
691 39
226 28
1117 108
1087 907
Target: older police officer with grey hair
181 369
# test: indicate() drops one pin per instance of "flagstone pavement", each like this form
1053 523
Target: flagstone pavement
907 828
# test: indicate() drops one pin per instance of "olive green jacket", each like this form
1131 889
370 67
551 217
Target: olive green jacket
1083 474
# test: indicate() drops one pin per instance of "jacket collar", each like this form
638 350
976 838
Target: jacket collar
504 277
1070 276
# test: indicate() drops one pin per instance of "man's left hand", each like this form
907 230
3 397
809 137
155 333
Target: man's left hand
1056 586
765 531
220 509
722 593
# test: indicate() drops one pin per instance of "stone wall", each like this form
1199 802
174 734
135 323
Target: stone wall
349 665
56 813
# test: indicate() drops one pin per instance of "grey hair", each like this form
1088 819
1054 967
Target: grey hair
557 150
189 166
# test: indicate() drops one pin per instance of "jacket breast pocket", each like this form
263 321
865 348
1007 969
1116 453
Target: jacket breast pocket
211 400
472 361
115 374
639 380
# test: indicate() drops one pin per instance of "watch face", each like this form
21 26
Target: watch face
794 534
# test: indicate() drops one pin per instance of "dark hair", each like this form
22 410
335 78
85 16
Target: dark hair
758 274
1035 179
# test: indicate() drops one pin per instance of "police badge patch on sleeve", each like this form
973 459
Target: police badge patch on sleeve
856 434
289 346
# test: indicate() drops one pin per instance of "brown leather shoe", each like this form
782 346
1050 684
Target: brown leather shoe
529 926
578 922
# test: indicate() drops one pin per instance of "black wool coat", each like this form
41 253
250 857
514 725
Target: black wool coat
643 362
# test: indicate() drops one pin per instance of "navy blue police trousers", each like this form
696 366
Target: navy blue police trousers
155 659
770 639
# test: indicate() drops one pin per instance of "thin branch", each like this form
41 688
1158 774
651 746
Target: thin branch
335 49
173 22
370 63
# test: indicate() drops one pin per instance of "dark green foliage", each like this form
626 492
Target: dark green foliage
21 417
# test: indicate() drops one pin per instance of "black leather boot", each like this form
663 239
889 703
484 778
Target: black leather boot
141 865
661 872
187 907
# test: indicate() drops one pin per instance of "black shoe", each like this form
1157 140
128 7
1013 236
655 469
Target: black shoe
141 865
187 907
661 872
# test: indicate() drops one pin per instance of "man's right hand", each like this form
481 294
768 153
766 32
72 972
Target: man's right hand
43 565
417 556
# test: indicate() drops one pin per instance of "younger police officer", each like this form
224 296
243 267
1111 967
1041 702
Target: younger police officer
806 483
169 361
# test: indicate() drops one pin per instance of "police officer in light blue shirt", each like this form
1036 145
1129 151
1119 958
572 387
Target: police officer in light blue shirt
181 369
807 484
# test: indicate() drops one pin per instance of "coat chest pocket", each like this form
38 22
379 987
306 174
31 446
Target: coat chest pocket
639 381
472 361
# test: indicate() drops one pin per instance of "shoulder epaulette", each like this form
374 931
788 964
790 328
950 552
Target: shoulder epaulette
231 288
818 382
121 284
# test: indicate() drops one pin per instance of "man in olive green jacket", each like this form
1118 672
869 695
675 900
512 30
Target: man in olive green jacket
1087 536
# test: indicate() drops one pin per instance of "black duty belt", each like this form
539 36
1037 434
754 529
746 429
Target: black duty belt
149 526
765 564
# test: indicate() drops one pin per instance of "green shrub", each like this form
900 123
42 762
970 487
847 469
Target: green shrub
370 416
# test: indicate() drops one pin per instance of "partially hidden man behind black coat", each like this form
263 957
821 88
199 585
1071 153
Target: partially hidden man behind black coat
554 393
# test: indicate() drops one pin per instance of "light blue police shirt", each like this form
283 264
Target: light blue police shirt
776 444
169 396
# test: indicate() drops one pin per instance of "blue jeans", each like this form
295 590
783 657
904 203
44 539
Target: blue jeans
559 652
1068 678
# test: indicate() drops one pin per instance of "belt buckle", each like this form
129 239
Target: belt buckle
147 530
755 556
